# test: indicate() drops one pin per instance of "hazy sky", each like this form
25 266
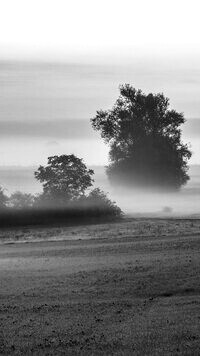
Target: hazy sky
62 60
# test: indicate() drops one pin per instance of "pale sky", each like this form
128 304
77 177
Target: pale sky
61 60
39 27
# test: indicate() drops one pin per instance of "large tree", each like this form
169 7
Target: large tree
65 178
145 140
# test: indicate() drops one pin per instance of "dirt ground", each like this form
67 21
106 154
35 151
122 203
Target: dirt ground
129 288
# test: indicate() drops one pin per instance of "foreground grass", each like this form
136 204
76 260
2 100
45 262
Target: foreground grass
126 294
123 228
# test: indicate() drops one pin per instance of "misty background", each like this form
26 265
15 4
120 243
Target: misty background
45 109
60 61
185 202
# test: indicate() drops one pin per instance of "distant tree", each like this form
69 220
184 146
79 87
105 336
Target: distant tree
21 200
3 199
145 140
65 179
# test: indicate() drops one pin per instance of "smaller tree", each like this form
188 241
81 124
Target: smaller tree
65 179
21 200
3 199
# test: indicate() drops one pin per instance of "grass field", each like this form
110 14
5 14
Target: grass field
127 288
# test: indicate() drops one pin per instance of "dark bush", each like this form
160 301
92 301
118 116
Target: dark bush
71 215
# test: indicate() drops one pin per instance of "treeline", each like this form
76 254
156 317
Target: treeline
66 216
67 197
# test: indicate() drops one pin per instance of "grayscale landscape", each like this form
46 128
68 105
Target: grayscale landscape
99 178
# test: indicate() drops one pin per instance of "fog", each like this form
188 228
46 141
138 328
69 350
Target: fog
157 203
154 202
137 202
56 74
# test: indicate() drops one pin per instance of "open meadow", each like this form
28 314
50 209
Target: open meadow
126 288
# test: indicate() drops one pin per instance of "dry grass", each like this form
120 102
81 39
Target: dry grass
122 229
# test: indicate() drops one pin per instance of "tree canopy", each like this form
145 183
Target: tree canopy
144 136
65 178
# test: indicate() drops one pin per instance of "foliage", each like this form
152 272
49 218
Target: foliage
21 200
3 199
96 203
94 208
145 140
64 200
98 199
65 178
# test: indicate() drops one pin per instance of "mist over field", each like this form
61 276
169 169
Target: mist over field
135 201
46 108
